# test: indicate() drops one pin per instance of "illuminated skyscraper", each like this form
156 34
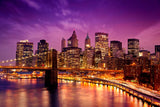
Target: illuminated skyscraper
70 56
62 58
63 44
43 53
115 47
73 57
24 53
88 53
88 57
87 42
101 43
73 41
97 58
133 47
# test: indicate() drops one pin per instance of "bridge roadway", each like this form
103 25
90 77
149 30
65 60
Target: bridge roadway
86 69
49 68
28 68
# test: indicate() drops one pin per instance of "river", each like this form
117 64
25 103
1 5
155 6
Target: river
32 93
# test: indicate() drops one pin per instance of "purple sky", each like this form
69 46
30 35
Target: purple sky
54 19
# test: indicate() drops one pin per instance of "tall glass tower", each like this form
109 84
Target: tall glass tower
101 43
24 53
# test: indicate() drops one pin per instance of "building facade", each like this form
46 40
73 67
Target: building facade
115 48
73 57
88 57
101 43
144 53
133 47
87 42
70 56
42 52
88 54
24 53
154 59
73 41
97 58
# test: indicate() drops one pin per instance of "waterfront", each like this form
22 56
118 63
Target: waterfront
32 93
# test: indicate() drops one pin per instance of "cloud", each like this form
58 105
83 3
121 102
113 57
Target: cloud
33 4
63 2
72 24
150 37
66 12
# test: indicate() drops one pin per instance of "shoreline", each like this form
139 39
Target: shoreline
149 98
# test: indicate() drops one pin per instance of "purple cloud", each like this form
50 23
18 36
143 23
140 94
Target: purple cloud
54 19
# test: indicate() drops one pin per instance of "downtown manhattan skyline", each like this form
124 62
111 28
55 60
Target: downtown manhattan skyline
53 20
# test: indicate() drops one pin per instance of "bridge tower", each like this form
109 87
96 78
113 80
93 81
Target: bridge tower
51 75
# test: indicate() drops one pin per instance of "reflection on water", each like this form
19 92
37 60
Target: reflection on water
32 93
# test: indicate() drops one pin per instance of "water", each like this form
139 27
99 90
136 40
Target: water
32 93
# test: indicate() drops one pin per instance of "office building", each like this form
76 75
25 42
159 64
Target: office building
154 59
115 48
88 57
73 41
87 42
73 57
88 53
101 43
133 47
24 53
97 58
70 56
42 52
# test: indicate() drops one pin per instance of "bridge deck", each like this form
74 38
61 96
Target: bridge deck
49 68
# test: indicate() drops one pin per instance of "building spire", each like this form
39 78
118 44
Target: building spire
87 42
87 36
74 34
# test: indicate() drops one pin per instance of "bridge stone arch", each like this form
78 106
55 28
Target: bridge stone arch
51 74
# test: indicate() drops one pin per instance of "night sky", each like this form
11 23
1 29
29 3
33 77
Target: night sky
53 19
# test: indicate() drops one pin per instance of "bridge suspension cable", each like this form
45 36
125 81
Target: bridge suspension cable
23 58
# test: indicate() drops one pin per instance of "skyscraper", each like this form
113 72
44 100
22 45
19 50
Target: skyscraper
87 42
133 47
73 57
101 43
63 44
43 47
88 57
88 53
97 58
24 53
70 56
73 41
115 46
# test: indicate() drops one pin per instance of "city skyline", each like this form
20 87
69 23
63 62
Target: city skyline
53 20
